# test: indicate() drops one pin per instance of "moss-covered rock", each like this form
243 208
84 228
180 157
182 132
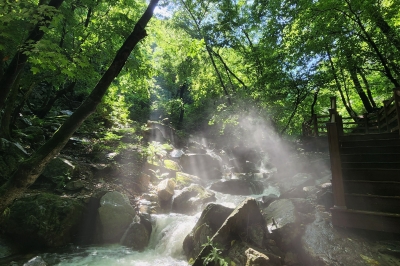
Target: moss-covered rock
43 220
170 164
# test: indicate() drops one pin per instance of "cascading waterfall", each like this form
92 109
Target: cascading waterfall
165 247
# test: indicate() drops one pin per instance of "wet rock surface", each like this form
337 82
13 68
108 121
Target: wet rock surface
211 219
136 236
191 199
292 228
115 216
244 227
205 166
323 244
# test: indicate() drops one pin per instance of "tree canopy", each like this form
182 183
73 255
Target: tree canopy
200 63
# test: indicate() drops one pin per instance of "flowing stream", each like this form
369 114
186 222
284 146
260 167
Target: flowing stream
165 247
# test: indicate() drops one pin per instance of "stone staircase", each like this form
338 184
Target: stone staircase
369 192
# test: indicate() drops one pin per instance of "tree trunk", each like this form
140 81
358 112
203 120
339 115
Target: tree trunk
374 46
5 131
315 98
354 115
352 68
366 83
218 74
29 170
20 58
339 87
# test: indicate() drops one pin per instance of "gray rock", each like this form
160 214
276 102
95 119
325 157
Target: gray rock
75 185
59 170
36 261
255 258
115 216
323 244
44 220
241 253
238 187
136 236
295 183
286 219
184 179
191 199
202 165
66 112
211 219
165 190
244 224
175 153
143 181
5 249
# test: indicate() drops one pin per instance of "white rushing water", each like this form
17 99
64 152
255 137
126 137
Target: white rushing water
165 247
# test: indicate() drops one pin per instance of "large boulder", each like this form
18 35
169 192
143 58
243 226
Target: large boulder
211 219
206 166
43 220
286 219
136 236
165 190
191 199
244 225
292 187
59 171
115 216
238 187
184 179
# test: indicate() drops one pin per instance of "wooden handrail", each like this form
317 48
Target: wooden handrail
385 120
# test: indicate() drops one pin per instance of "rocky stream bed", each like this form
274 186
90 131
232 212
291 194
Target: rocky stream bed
186 203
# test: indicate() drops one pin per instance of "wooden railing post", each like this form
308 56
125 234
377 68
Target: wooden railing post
336 164
339 123
366 123
385 107
396 95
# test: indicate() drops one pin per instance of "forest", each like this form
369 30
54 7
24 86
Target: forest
198 66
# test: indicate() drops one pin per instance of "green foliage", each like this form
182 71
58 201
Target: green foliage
155 150
215 255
